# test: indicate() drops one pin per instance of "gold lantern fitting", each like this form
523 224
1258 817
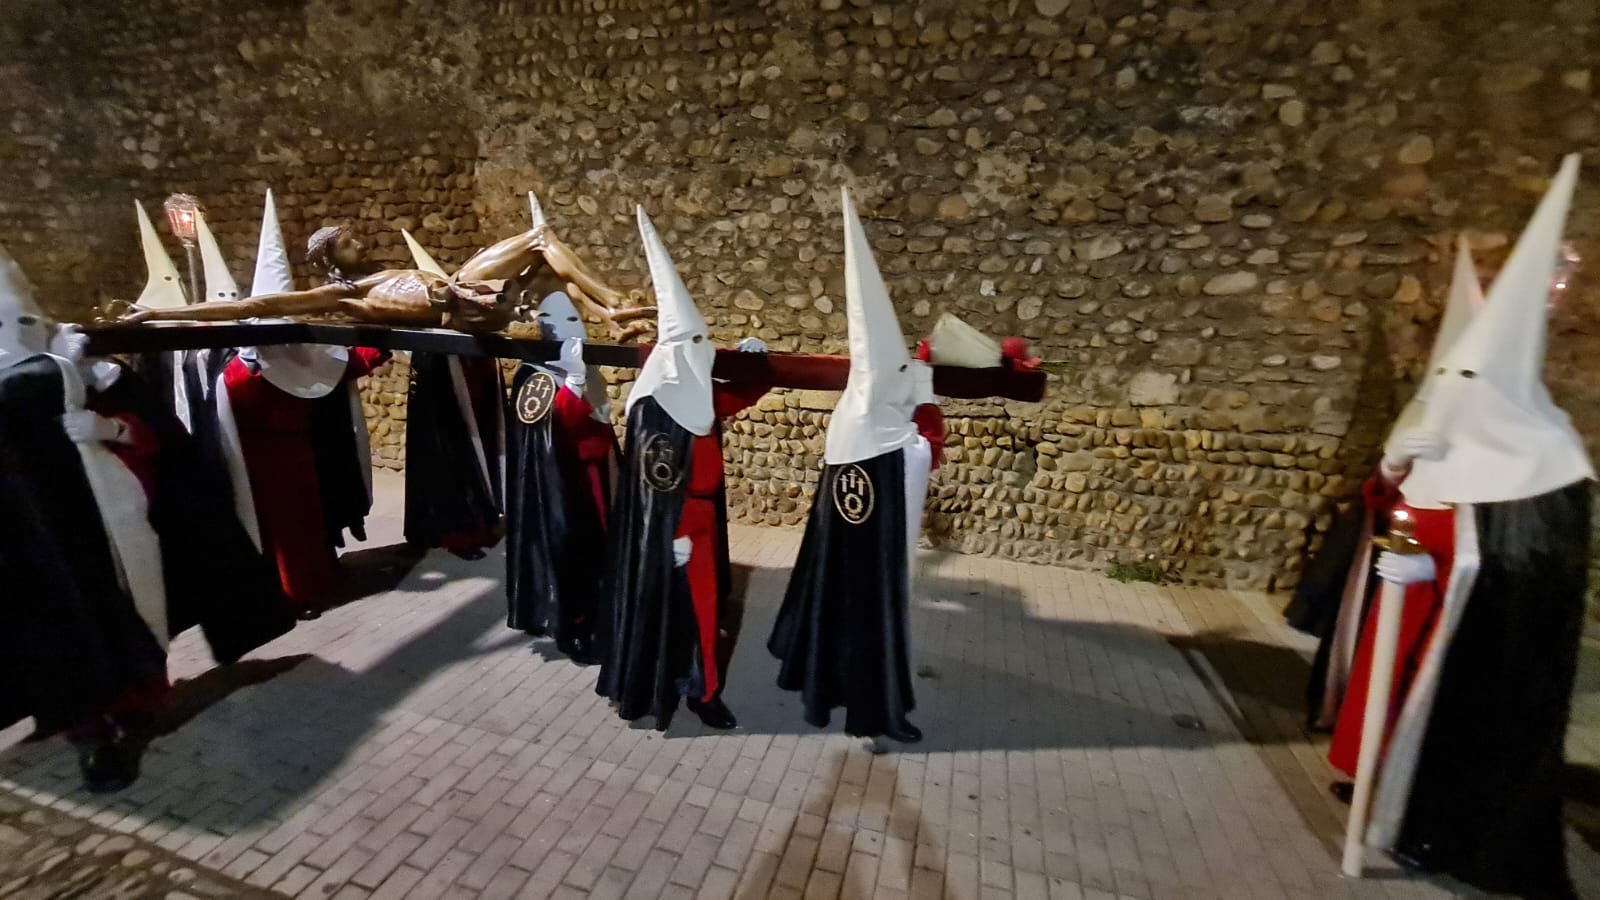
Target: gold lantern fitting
1402 536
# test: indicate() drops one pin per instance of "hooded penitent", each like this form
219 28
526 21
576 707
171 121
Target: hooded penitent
668 621
323 374
84 602
303 370
1330 601
1470 783
562 457
1507 439
841 635
293 432
162 287
678 373
1461 305
218 280
455 446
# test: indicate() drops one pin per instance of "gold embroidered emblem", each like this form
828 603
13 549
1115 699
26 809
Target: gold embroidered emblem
661 469
536 398
853 494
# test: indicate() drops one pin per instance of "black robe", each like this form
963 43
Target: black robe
1320 594
215 577
1485 805
200 375
446 493
645 634
555 536
341 474
73 640
841 634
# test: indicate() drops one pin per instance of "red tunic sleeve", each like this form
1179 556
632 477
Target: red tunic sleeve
588 439
728 398
930 422
571 408
363 360
138 448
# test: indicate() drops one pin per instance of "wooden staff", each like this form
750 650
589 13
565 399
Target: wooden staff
1380 686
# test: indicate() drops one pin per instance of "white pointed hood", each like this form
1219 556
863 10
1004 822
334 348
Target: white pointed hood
162 287
24 331
561 321
219 281
421 258
678 372
1463 303
955 343
1504 437
874 412
303 370
557 313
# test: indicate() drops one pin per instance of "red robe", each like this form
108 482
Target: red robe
701 524
1435 531
275 436
591 442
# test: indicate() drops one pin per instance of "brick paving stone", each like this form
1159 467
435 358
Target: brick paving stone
420 748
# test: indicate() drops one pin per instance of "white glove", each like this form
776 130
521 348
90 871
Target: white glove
752 345
1406 568
680 551
1410 445
69 342
83 426
571 362
921 383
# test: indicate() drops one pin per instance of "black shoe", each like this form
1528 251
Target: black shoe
109 765
472 554
578 650
1342 791
715 714
904 733
1409 862
536 631
309 615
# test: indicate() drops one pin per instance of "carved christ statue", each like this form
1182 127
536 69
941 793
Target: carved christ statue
485 295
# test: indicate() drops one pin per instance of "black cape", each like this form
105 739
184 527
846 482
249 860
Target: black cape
215 577
445 489
200 374
73 640
342 471
555 538
1320 594
841 637
645 632
1485 806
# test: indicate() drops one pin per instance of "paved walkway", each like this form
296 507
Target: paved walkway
1086 741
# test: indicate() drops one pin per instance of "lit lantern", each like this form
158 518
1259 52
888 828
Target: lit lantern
181 211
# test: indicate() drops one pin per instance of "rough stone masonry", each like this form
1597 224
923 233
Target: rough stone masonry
1223 223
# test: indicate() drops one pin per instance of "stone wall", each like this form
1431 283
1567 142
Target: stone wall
1224 223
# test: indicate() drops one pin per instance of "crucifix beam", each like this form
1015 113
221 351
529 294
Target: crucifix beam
790 370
